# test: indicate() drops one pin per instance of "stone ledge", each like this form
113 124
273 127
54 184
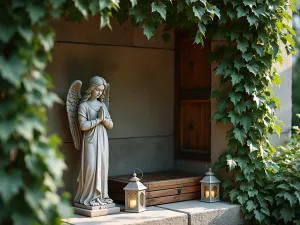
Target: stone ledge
201 213
153 216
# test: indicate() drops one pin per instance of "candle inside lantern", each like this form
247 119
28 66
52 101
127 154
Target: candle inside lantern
132 203
206 193
213 194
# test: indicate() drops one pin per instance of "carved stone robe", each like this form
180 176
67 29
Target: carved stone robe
93 175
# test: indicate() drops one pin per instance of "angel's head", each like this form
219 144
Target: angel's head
96 88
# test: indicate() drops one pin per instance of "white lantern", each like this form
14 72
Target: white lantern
210 188
135 195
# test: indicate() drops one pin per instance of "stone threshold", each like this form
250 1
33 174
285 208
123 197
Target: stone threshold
180 213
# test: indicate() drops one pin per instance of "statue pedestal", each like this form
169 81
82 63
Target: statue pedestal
93 211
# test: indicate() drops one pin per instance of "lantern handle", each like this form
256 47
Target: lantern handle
139 170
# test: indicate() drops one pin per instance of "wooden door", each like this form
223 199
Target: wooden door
192 103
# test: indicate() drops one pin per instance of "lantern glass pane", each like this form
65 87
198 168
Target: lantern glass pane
206 192
214 192
132 200
142 199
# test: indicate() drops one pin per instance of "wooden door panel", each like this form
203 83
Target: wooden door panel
192 103
194 67
195 125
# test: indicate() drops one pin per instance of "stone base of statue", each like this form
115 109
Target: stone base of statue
93 211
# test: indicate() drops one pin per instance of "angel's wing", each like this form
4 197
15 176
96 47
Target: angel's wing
73 100
105 97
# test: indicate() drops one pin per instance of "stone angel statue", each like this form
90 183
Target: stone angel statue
88 119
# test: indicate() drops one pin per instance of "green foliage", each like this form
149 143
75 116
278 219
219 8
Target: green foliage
286 182
258 28
29 181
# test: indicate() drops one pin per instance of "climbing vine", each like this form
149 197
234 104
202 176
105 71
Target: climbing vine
256 32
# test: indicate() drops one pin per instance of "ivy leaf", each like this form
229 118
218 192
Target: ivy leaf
180 6
259 215
250 3
242 199
240 107
105 21
291 198
252 193
263 37
251 146
198 11
250 206
202 29
253 68
235 78
246 121
276 79
265 211
241 11
213 10
160 8
35 11
233 118
233 194
239 134
277 130
26 33
217 116
104 4
137 14
199 36
148 30
221 105
270 199
133 2
259 49
242 45
238 64
8 29
287 214
222 66
10 184
247 56
252 20
231 13
215 94
81 7
249 87
227 183
235 97
258 11
230 162
12 69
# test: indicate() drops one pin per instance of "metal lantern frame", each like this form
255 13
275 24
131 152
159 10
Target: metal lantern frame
210 188
135 195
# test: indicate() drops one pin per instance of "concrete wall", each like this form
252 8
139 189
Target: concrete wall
141 74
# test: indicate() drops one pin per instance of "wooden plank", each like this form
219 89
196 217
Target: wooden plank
175 198
165 184
171 186
173 191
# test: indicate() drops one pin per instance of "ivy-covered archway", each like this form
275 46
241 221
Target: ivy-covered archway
256 31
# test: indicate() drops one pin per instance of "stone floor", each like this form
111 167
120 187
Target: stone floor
180 213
